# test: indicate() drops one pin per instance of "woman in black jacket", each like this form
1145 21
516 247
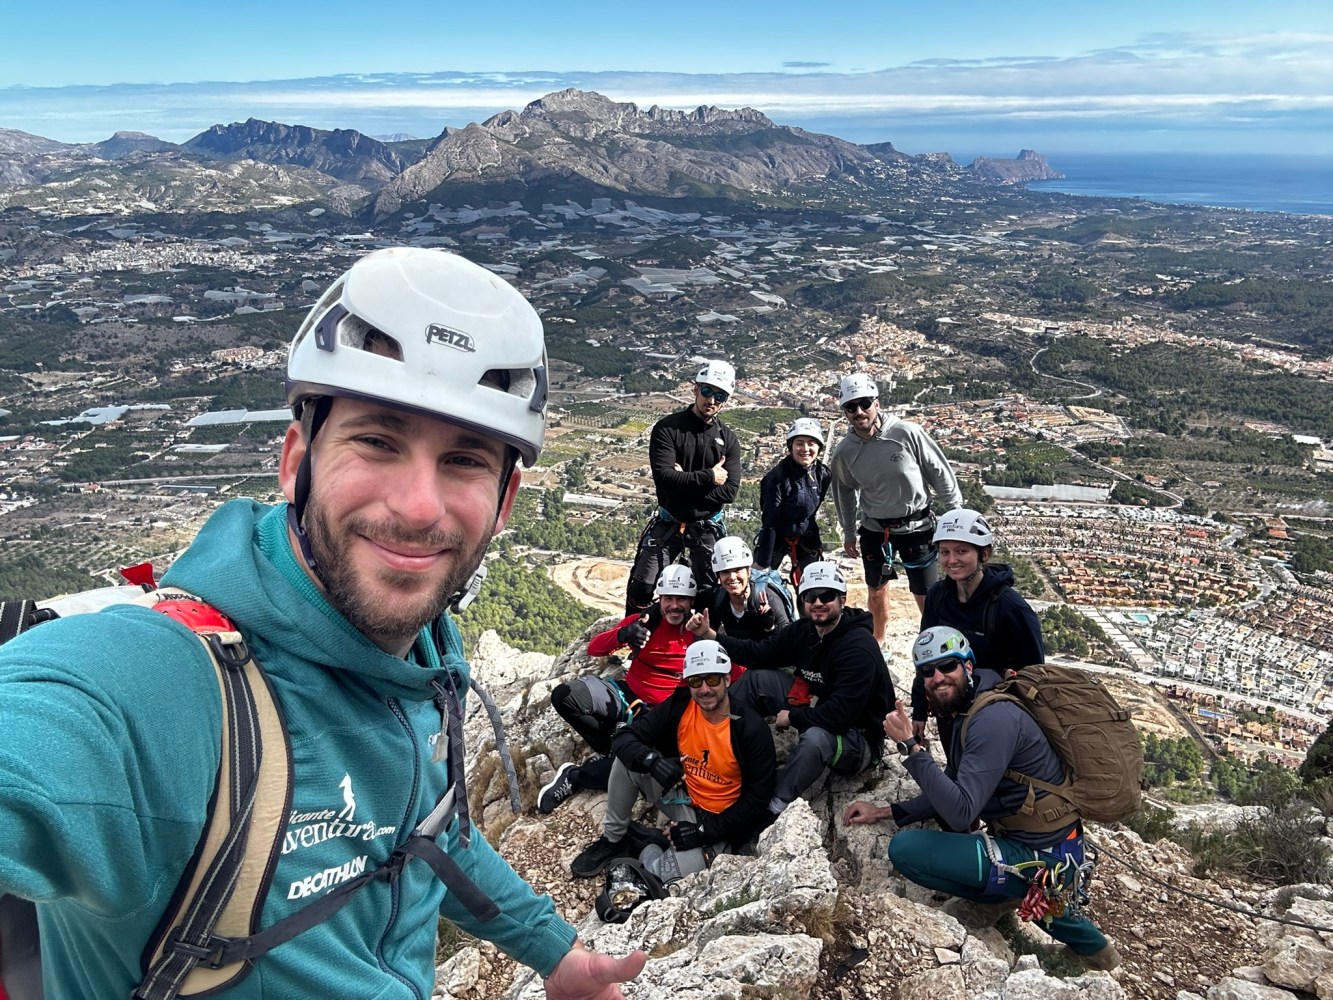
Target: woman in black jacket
977 597
789 497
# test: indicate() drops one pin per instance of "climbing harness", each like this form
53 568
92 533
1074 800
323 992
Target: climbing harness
1056 888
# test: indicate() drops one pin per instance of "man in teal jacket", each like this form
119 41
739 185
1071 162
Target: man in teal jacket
418 382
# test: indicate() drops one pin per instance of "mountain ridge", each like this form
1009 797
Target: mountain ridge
575 141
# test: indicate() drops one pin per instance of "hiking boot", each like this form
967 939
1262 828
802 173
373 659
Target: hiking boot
557 789
596 856
1104 961
978 916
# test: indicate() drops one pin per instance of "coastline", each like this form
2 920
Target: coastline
1295 184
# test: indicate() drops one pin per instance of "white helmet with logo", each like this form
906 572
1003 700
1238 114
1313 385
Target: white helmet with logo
819 575
806 427
963 525
706 656
467 347
678 580
857 386
718 373
731 553
941 643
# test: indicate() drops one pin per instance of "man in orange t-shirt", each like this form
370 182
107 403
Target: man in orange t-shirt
707 763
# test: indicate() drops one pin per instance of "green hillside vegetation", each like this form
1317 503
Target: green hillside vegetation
31 572
1171 386
527 610
1305 308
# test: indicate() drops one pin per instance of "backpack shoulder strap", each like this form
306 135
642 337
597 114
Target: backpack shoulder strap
1027 817
225 885
991 613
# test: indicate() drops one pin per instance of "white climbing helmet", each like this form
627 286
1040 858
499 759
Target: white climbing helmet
819 575
963 525
470 348
858 385
806 427
706 656
731 553
718 373
677 580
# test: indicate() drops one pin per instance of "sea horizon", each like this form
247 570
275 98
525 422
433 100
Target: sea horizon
1297 184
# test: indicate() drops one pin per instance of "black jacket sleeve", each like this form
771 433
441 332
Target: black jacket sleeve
773 652
654 729
731 462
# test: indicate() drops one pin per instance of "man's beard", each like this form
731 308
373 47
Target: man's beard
386 619
949 701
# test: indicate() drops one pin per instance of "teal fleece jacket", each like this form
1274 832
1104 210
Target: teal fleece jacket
110 729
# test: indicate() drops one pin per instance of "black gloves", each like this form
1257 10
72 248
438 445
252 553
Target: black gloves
685 836
666 771
634 634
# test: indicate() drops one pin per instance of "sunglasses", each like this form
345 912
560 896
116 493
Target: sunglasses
852 405
713 393
943 666
826 596
698 680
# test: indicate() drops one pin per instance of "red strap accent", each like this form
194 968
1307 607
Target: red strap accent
141 575
196 615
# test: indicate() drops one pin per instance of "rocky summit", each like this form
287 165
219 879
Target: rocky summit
580 137
819 912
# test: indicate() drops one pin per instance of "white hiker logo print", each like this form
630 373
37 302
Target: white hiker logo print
349 799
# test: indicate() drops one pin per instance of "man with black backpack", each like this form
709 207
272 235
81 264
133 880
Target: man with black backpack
418 381
1000 764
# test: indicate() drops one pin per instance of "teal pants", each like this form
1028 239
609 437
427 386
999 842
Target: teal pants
956 863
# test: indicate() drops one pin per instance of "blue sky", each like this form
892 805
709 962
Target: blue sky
967 77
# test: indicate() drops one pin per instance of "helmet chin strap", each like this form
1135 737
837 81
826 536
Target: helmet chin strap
301 491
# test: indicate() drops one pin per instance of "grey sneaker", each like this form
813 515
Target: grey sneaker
557 789
596 856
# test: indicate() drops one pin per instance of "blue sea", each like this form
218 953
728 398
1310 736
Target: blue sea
1261 183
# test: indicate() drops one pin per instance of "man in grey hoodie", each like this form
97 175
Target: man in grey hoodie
887 473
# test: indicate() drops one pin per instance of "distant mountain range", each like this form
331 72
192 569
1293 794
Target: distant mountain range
572 142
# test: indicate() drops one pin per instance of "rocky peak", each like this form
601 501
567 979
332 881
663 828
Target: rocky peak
1028 166
123 144
342 153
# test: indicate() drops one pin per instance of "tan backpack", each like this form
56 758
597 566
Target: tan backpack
1093 736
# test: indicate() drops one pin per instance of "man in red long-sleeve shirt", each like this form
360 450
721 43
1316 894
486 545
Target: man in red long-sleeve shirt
596 707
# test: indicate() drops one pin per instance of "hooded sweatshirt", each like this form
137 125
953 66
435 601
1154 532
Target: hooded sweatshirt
112 729
1014 641
845 670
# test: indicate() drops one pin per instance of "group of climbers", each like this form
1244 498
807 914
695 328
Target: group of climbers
821 673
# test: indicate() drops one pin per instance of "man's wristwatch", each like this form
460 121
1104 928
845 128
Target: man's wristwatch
905 746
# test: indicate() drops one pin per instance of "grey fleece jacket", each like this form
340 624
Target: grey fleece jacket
899 471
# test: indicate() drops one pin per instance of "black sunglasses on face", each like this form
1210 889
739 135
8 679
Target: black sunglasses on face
717 395
852 405
698 680
943 666
826 596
